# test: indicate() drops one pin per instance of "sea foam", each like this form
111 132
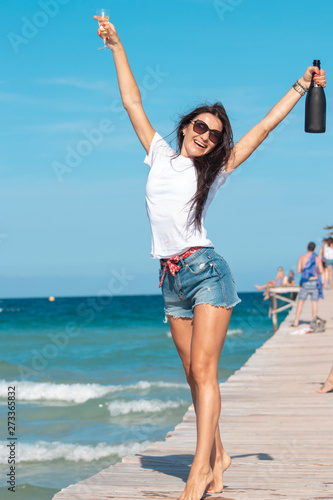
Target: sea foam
234 331
117 408
43 451
48 392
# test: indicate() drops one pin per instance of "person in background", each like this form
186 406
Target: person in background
328 256
328 385
323 260
277 282
289 280
310 267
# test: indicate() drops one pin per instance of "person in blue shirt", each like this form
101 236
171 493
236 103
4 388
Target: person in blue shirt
310 267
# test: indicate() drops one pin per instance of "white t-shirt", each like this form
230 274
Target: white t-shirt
328 252
172 183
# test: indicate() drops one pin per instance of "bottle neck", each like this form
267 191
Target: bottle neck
316 62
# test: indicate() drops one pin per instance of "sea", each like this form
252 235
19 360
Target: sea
94 379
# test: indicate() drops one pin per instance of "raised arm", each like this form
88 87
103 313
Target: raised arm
250 141
129 90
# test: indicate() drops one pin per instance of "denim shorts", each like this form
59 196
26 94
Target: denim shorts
329 262
309 288
204 278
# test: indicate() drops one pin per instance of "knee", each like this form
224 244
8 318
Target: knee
189 375
203 373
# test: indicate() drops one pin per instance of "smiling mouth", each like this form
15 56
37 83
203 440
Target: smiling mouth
200 144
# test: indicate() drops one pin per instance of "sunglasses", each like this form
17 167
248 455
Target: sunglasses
201 127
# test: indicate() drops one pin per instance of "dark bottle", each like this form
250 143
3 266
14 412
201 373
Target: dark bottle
315 106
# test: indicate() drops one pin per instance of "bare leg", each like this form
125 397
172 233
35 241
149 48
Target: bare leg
329 275
210 326
298 312
219 462
181 330
266 294
328 386
260 287
314 309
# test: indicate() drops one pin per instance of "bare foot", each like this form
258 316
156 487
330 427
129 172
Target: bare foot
327 387
221 464
197 483
257 287
266 297
293 324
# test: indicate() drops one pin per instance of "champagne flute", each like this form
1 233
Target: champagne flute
103 17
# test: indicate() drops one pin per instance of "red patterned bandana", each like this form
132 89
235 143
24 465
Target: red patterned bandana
172 263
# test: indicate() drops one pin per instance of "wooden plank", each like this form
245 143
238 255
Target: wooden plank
277 429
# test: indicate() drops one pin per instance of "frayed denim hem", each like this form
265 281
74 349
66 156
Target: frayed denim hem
203 302
218 305
175 316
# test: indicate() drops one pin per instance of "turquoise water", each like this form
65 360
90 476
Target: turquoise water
97 378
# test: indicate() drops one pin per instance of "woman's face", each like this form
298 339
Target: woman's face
195 144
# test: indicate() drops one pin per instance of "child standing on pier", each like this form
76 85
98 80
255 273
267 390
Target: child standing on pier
197 284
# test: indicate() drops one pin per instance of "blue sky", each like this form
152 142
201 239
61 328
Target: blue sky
71 233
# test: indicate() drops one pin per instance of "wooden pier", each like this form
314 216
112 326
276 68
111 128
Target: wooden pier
277 429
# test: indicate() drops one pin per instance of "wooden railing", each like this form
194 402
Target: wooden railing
287 295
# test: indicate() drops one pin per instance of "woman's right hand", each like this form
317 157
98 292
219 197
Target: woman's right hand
108 33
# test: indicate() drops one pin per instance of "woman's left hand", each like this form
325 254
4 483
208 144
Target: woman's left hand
319 77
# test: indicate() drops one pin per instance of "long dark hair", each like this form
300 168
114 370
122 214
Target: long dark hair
207 166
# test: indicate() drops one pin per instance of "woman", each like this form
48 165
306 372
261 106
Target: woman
197 285
323 260
277 282
328 256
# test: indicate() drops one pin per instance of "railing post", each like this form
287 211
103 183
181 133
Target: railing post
278 293
274 313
